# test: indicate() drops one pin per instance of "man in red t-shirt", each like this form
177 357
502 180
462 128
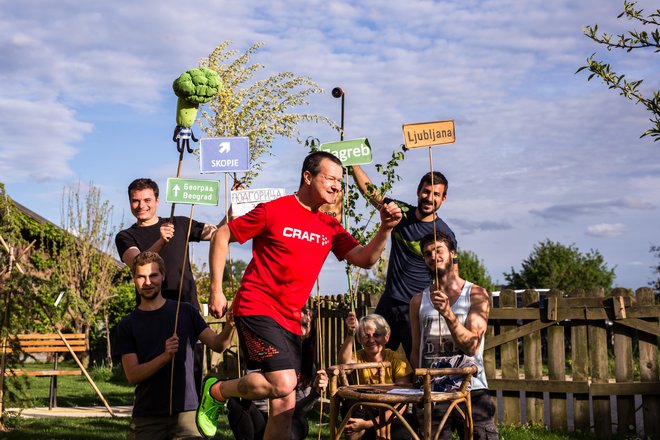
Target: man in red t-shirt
291 239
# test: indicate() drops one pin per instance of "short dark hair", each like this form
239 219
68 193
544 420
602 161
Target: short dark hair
143 183
438 179
313 161
147 257
439 236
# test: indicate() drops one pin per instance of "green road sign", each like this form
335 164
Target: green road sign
353 152
192 191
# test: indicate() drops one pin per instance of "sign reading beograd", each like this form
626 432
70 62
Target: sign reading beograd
427 134
353 152
193 191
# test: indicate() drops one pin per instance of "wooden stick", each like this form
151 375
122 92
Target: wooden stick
178 301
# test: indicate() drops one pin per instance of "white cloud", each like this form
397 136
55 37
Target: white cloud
38 140
606 229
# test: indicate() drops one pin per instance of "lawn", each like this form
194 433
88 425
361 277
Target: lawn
75 390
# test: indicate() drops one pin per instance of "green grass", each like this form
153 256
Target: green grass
71 390
75 390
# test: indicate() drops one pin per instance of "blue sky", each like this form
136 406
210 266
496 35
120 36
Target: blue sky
540 152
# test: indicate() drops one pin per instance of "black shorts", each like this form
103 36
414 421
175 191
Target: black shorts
267 345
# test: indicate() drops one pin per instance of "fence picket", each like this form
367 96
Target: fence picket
580 367
510 363
648 367
557 370
598 357
623 369
533 364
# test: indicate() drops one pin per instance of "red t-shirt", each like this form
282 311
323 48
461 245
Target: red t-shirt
289 246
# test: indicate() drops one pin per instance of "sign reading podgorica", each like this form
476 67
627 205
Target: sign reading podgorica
193 191
224 155
245 200
427 134
353 152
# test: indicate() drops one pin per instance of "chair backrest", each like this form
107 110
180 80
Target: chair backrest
341 371
428 373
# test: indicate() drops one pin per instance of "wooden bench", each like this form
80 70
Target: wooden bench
50 343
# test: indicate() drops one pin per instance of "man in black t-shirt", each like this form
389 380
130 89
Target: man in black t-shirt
152 233
146 342
407 275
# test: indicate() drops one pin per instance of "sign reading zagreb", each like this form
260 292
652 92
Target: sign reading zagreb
224 155
244 201
353 152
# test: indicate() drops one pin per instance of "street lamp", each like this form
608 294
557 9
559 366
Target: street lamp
337 92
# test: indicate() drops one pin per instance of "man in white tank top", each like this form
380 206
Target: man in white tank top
450 318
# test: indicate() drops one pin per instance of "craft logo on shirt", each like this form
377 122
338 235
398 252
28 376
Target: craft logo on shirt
311 237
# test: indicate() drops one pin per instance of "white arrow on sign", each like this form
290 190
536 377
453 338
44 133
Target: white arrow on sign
176 189
225 147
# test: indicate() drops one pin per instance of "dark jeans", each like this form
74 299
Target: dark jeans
483 411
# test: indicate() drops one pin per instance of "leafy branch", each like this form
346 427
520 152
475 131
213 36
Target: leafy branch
628 41
260 110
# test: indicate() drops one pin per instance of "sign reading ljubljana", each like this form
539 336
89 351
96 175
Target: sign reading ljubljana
193 191
428 134
224 155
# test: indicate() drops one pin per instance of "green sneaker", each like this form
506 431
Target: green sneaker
207 412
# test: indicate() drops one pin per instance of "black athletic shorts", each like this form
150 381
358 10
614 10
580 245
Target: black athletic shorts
267 345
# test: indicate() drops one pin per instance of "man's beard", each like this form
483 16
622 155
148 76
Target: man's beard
150 296
442 271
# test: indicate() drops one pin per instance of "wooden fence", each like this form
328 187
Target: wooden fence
579 361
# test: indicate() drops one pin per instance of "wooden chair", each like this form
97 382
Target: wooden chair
391 405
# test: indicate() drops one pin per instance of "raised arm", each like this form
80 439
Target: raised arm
367 188
217 260
468 336
219 342
166 234
366 256
137 372
346 351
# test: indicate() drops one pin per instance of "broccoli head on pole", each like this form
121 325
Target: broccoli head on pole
193 87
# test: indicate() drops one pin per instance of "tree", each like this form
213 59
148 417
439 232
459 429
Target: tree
231 279
471 268
554 265
259 110
25 282
84 267
629 41
656 283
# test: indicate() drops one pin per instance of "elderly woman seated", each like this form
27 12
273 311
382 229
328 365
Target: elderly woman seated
373 333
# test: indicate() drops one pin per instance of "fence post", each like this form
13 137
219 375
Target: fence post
489 359
648 368
580 363
599 374
557 369
510 364
623 369
533 364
